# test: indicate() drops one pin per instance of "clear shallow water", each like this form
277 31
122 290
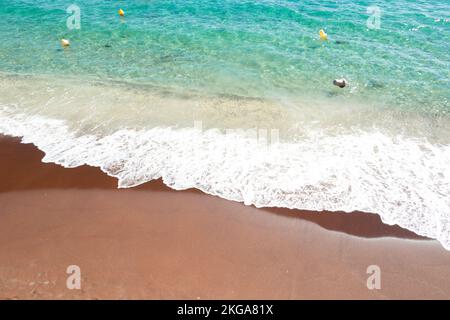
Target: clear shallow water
129 94
247 48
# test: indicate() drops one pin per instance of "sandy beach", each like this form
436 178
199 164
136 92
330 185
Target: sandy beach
152 242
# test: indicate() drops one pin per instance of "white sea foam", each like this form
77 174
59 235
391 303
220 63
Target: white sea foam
406 181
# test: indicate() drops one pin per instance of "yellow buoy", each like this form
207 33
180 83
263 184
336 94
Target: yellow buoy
121 12
323 35
65 42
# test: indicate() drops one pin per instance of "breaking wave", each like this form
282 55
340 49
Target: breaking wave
404 180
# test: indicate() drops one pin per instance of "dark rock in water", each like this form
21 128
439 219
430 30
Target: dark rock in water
331 94
166 58
341 83
374 84
313 47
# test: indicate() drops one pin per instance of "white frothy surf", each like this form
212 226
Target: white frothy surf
404 180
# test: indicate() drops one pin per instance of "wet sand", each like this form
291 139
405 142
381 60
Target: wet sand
152 242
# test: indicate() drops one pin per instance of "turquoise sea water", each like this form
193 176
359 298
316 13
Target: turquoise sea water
235 98
245 48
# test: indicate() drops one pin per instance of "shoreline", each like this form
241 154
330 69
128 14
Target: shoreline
154 242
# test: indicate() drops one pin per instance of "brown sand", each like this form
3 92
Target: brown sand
153 242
